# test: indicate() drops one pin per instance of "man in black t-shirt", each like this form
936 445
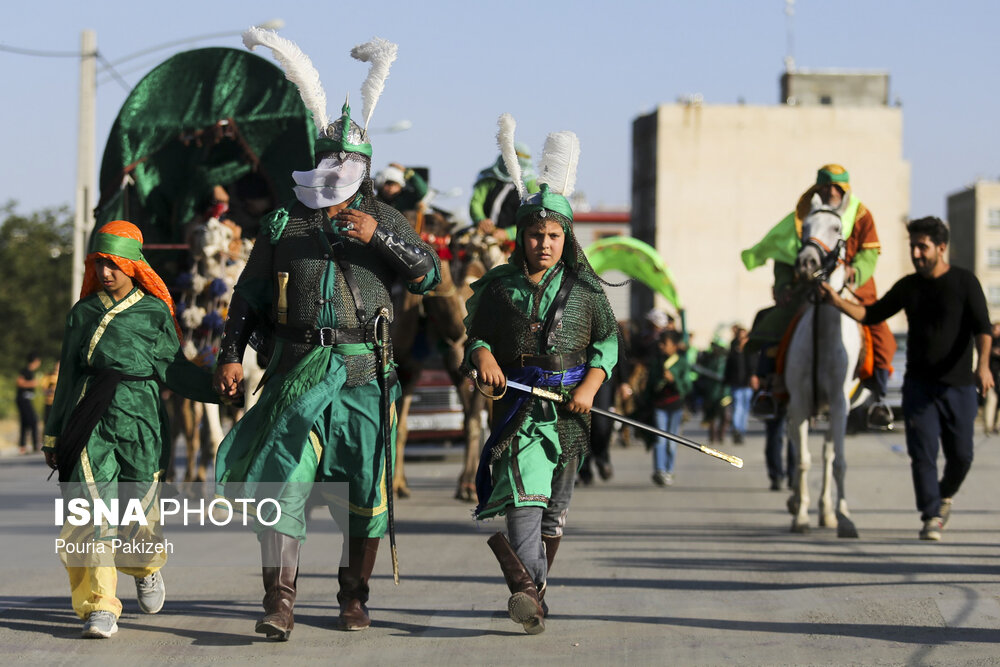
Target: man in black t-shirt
24 398
946 314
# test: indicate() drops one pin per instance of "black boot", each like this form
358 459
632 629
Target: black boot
279 556
523 605
353 595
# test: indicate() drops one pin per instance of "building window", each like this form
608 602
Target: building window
993 218
993 295
993 258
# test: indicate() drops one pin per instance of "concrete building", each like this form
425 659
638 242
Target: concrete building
711 180
974 217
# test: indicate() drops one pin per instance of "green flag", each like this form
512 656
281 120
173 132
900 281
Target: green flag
780 244
635 259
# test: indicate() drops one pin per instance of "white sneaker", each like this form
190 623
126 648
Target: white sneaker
151 592
100 625
945 511
932 529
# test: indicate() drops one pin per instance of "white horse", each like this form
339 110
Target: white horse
819 370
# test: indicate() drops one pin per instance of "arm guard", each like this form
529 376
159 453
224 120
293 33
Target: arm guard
408 260
240 324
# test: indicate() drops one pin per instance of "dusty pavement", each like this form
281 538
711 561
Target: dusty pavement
702 573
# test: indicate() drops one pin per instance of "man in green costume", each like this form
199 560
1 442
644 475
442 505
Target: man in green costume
319 276
544 320
107 433
495 200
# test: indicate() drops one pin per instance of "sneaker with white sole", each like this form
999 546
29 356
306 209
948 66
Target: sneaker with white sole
100 625
932 529
945 511
151 592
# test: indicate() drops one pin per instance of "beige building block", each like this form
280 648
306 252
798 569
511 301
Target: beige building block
724 175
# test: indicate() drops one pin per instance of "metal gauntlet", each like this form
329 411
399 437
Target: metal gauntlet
408 260
240 324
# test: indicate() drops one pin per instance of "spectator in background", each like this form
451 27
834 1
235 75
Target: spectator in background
740 366
712 387
26 384
666 388
401 188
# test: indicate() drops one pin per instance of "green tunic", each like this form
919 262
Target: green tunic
135 336
318 417
130 444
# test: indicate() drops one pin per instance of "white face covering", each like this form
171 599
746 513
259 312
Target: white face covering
332 181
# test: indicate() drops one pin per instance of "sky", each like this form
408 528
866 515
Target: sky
587 66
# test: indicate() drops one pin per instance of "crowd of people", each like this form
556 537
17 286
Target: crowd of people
315 295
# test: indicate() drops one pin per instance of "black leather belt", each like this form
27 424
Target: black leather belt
554 362
325 336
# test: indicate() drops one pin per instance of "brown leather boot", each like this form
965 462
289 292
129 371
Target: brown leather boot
353 595
279 556
523 605
551 546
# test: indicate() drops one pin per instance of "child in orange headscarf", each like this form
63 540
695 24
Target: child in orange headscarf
107 429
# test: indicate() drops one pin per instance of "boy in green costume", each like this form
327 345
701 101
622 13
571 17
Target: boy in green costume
541 319
107 426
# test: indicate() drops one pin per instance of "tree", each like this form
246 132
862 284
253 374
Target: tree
36 255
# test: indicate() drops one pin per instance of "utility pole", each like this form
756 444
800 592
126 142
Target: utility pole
86 156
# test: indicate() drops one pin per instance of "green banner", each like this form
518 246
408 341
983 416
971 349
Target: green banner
637 260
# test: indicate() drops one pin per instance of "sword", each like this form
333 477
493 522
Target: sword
559 398
389 445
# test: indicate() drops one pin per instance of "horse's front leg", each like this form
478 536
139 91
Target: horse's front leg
798 436
838 431
827 517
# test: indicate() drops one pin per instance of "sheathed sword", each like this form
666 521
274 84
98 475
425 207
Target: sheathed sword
388 443
559 398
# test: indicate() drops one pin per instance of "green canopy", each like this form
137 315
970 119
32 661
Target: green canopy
635 259
202 118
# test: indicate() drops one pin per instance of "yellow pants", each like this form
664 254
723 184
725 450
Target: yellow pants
94 588
93 576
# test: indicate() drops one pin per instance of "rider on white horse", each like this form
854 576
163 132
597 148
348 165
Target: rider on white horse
782 244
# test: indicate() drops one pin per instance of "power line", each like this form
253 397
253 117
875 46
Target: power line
114 73
44 54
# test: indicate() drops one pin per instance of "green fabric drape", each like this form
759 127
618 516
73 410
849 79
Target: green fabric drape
156 130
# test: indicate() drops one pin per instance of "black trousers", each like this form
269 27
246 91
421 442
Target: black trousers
29 425
938 413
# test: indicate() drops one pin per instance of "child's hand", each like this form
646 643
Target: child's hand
581 400
488 368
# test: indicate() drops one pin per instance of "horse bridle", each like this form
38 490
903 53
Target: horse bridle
829 257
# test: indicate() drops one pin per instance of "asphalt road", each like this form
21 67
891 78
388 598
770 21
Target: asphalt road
701 573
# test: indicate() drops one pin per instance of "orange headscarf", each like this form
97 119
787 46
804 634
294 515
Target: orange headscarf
121 242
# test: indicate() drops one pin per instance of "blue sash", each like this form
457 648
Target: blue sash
532 376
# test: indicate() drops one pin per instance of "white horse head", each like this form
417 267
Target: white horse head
822 249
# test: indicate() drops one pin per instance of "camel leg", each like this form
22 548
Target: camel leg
209 447
399 486
798 434
474 404
190 438
198 412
